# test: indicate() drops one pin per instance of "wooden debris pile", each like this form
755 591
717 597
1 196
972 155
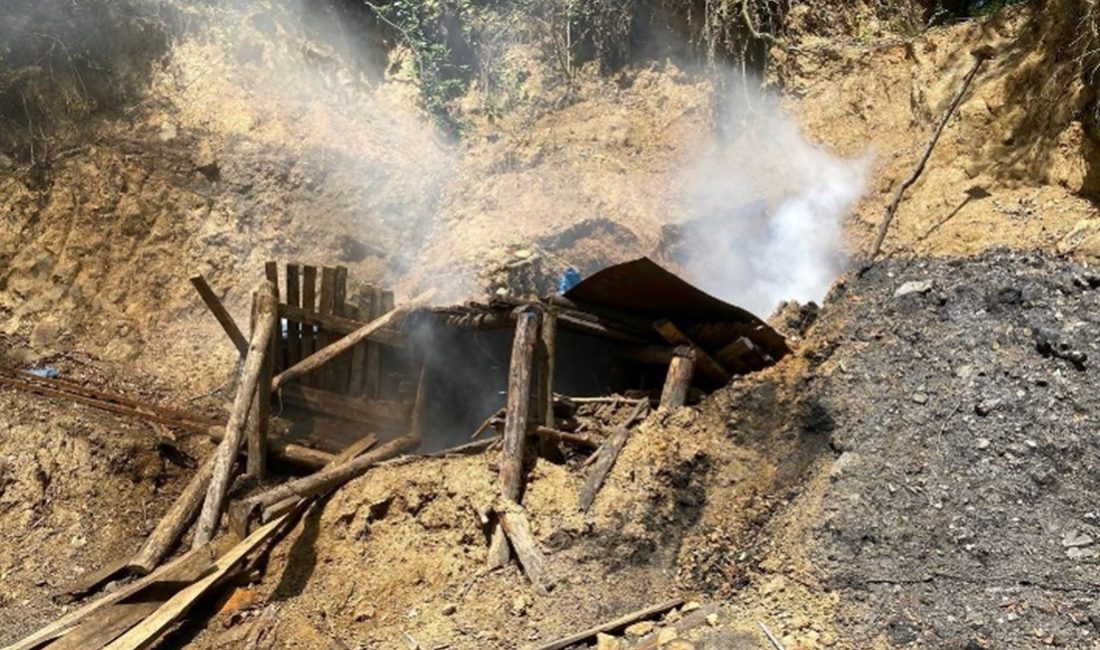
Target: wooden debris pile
314 350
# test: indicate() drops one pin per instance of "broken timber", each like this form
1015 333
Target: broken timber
513 521
707 365
515 424
226 454
323 356
259 418
607 454
611 626
680 372
218 309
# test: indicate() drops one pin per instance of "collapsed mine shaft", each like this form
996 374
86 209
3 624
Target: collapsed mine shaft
332 385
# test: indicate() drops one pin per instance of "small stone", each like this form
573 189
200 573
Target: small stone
449 608
1080 553
1076 539
690 606
964 371
987 406
606 642
913 286
640 628
363 614
712 620
522 253
680 644
519 606
666 636
983 443
920 398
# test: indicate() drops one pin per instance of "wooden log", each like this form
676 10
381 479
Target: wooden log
547 349
607 455
374 353
271 272
377 414
565 436
229 448
186 568
144 633
309 305
358 380
259 419
293 328
513 520
341 368
681 370
341 325
613 625
343 345
515 424
289 453
173 523
332 477
215 306
707 365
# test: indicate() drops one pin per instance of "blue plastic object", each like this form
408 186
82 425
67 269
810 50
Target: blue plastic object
569 279
49 372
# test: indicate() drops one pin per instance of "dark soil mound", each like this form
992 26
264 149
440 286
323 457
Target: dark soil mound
963 506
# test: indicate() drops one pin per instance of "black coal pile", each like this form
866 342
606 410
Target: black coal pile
964 505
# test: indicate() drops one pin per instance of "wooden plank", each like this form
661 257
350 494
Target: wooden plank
218 309
285 452
358 380
93 580
613 625
706 363
548 447
374 352
293 328
229 448
341 368
379 414
271 271
385 336
185 568
516 414
513 520
606 456
324 377
101 630
144 633
309 305
319 359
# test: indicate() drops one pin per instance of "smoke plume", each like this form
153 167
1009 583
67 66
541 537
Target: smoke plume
765 207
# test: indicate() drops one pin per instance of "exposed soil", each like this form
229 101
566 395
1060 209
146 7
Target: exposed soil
921 473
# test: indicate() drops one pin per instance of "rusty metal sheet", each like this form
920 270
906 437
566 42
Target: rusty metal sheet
645 288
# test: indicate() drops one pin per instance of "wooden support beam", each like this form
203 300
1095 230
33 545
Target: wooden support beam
548 334
173 523
343 345
606 457
515 423
259 419
742 355
386 336
565 436
218 309
680 372
613 625
325 377
357 384
706 363
271 271
228 450
289 453
513 520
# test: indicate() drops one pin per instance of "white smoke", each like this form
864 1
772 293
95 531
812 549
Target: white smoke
765 208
